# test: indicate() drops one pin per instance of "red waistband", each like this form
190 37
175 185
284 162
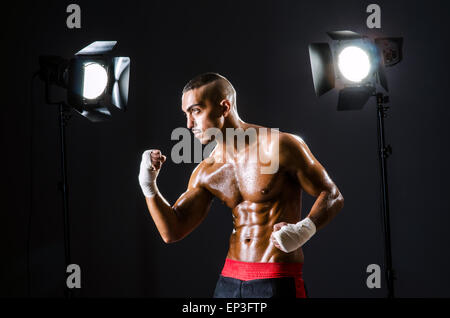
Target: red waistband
248 271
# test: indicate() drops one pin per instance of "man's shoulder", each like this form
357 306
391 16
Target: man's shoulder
202 169
285 137
286 141
292 148
290 141
197 175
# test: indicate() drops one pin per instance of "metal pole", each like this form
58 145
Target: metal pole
63 118
384 152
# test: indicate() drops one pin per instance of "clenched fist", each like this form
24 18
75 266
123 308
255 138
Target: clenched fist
289 237
152 161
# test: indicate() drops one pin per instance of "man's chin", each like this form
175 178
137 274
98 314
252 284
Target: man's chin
203 140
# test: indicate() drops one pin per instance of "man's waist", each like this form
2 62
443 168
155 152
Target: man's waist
249 270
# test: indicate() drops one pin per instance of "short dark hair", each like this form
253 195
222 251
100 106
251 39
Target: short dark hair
221 89
201 80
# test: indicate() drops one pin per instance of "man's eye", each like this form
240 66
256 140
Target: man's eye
196 111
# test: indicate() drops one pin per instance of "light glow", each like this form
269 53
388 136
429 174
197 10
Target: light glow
354 63
95 80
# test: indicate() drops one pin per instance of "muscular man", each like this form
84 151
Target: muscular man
265 257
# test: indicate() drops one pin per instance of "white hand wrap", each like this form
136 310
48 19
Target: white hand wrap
147 176
293 236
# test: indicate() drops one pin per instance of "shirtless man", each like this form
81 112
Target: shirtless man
265 257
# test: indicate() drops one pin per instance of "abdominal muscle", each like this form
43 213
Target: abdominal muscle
252 227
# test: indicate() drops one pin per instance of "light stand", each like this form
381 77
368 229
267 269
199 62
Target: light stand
384 152
64 116
355 64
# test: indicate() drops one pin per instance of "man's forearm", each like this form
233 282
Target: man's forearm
164 216
327 205
162 213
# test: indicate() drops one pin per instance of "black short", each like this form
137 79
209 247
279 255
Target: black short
284 287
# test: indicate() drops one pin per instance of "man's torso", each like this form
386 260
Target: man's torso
258 201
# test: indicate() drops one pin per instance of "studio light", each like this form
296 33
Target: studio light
95 81
355 64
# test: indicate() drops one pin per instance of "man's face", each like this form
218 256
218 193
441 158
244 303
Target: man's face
201 113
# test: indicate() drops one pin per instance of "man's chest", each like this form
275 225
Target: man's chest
233 183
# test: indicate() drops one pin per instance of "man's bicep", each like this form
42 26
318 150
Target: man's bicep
193 205
191 209
195 199
314 179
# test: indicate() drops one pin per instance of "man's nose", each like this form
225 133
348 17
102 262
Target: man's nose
190 122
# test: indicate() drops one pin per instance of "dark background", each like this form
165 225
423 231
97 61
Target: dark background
261 47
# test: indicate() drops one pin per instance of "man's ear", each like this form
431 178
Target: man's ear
226 107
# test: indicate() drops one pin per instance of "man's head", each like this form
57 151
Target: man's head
207 100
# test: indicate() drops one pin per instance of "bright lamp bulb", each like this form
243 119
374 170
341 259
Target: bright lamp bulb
95 80
354 63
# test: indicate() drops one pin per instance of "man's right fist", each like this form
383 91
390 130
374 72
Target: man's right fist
151 164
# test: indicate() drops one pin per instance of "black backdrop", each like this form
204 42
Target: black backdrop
261 46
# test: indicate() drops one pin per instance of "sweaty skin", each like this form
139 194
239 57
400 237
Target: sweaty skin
257 201
260 203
